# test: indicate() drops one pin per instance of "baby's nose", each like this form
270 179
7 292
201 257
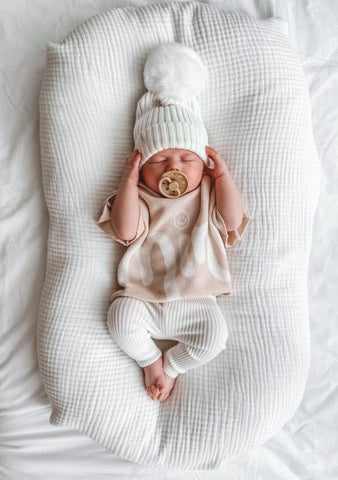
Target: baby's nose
173 165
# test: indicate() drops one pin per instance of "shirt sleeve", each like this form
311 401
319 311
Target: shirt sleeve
104 220
231 238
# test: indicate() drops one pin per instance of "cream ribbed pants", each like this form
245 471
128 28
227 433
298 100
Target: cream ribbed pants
198 324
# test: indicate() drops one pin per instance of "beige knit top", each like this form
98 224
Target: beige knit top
179 250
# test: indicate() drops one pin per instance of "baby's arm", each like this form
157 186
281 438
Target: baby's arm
228 199
125 213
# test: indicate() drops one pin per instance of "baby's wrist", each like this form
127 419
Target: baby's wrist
128 181
222 175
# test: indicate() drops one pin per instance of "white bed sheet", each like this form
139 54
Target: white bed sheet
31 448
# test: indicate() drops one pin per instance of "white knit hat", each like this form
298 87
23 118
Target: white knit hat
169 115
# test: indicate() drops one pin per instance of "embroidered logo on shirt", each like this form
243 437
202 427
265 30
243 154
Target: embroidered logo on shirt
181 219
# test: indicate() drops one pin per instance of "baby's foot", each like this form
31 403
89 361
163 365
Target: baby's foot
168 386
154 378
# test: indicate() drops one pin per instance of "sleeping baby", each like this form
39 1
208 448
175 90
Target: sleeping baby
176 216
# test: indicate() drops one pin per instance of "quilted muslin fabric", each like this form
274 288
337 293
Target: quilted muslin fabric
257 113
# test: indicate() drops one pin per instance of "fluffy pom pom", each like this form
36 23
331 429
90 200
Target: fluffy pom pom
174 72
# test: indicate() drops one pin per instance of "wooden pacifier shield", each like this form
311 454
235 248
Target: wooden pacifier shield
173 184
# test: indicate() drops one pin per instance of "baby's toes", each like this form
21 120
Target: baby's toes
163 396
154 391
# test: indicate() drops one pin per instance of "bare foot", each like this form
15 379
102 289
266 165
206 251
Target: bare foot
157 383
154 378
168 386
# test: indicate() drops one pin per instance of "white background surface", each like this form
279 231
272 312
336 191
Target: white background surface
31 448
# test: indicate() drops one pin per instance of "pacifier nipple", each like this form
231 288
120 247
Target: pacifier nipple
173 184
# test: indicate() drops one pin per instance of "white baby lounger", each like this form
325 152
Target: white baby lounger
256 110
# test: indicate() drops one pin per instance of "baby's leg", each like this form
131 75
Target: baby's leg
129 322
200 327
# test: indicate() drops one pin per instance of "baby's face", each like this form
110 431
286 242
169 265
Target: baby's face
184 161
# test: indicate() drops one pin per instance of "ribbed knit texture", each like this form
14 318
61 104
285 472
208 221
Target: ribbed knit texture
159 127
198 325
256 111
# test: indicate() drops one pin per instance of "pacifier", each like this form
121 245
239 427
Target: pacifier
173 184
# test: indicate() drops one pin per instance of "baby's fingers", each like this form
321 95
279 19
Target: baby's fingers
135 157
213 153
138 157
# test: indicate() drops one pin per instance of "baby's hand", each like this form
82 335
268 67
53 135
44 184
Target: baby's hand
131 169
220 167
